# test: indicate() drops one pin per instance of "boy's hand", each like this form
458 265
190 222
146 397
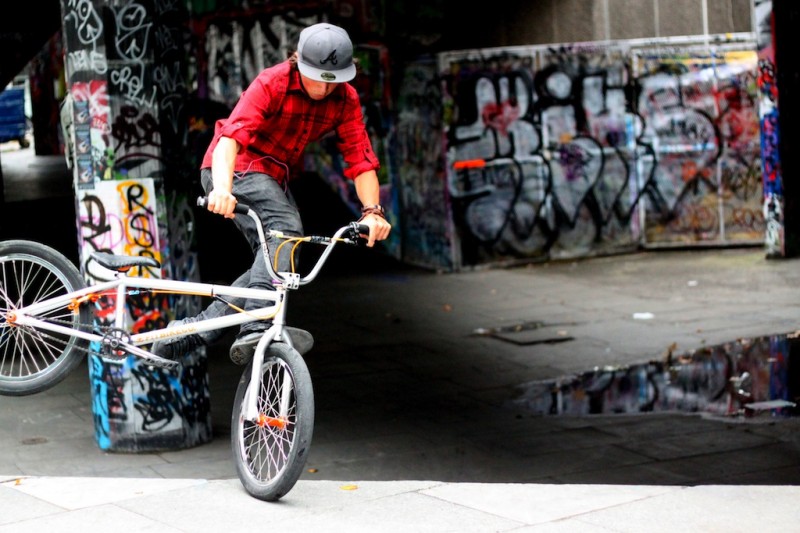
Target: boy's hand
379 228
221 202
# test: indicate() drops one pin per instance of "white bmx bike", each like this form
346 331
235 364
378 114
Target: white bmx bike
47 326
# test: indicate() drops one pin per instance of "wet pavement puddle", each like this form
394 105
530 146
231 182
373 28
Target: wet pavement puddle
746 378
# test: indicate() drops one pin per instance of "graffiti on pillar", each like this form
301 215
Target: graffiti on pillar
111 75
768 118
84 34
92 131
136 137
425 228
170 75
577 150
158 401
131 397
84 164
108 404
129 77
87 68
135 128
119 217
132 401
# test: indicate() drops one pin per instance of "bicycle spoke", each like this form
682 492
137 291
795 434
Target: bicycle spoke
22 345
46 348
52 287
4 295
10 348
22 283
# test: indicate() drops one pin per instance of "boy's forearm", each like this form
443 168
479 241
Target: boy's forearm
368 188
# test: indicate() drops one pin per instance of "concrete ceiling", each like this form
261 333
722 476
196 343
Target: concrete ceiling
24 30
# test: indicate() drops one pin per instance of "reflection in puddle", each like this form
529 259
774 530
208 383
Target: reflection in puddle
749 377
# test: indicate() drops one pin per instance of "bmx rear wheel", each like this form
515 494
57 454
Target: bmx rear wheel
31 360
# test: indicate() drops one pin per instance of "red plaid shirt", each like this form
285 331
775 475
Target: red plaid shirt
274 120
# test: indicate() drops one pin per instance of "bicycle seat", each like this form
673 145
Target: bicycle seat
122 263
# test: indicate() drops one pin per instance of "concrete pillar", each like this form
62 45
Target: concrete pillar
779 66
125 83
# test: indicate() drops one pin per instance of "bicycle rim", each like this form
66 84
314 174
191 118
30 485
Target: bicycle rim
30 360
270 452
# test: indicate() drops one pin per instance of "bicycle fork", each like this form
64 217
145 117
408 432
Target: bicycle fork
251 411
267 417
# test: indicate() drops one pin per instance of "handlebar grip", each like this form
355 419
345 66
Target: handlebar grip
356 233
242 209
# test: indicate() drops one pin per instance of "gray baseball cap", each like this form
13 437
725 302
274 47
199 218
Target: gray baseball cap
325 53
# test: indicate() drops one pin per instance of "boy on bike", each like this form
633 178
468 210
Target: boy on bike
250 156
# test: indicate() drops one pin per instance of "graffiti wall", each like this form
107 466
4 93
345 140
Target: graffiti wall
700 115
576 150
124 80
490 156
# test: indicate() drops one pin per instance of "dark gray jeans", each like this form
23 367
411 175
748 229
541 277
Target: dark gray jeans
278 211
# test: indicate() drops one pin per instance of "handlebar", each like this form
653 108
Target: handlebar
244 209
349 234
239 208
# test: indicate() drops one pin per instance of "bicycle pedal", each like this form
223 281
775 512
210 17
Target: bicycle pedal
302 340
160 362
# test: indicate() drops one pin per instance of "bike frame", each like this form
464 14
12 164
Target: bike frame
121 285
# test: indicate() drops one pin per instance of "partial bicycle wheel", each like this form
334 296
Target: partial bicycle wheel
31 360
271 451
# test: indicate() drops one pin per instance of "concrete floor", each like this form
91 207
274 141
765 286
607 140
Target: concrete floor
405 389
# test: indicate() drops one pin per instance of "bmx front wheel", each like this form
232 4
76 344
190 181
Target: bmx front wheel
32 360
270 451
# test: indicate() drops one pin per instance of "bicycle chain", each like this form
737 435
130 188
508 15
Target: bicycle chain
38 333
106 332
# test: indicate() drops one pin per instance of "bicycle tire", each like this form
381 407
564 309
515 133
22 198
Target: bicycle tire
32 361
270 455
